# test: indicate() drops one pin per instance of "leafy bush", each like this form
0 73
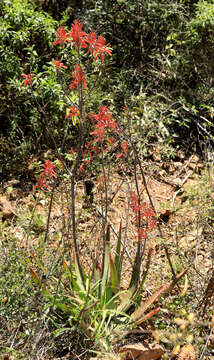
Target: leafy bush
25 44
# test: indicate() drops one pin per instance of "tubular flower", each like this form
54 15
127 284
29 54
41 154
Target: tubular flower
99 133
48 169
62 35
72 112
59 64
104 119
28 79
79 78
143 211
101 48
77 35
41 183
91 41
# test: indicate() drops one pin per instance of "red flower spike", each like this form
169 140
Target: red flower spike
104 119
48 169
59 64
141 233
110 141
28 79
101 48
41 183
143 211
73 112
99 134
79 78
62 35
77 35
91 40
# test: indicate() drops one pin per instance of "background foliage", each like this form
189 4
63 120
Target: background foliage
161 68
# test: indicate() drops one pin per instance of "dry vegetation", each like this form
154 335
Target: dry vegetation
183 197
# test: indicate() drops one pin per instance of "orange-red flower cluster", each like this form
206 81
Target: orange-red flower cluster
97 46
79 78
59 64
77 35
143 211
72 112
104 121
62 35
47 171
28 79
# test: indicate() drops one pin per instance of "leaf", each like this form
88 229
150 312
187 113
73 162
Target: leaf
63 307
105 266
126 299
35 277
172 283
65 265
80 280
137 314
114 281
38 263
74 119
118 256
67 111
136 268
146 317
145 273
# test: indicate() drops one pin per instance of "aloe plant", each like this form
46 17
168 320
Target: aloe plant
95 301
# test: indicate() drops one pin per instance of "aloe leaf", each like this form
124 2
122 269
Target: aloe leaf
126 298
65 265
136 268
105 266
137 314
66 309
118 255
146 317
114 281
173 282
79 274
145 273
35 277
38 263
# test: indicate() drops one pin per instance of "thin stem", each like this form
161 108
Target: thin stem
152 204
73 176
49 211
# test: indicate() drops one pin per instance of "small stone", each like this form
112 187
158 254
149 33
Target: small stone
6 209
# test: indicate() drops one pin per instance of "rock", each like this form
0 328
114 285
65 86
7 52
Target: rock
181 155
6 209
187 352
143 351
13 183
